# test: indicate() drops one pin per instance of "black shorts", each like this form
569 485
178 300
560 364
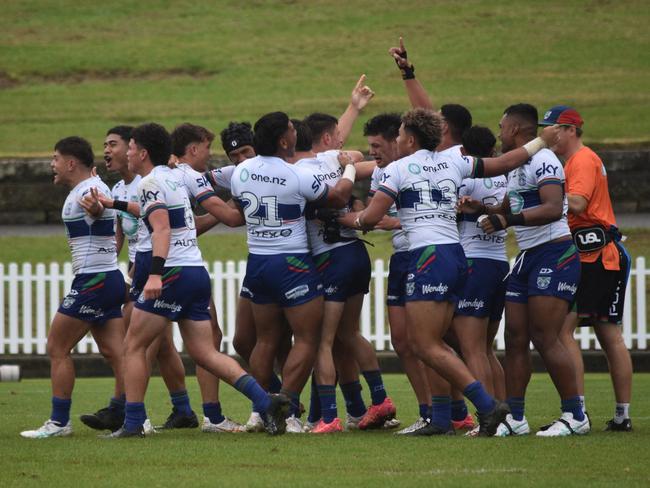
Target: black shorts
601 294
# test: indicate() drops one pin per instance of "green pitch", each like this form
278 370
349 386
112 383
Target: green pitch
70 67
191 458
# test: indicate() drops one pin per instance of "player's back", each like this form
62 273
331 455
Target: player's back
92 241
273 195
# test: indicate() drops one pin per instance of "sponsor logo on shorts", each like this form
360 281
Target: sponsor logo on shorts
545 271
330 290
562 286
439 288
410 288
246 291
68 302
73 293
476 304
392 297
297 292
86 310
543 282
172 307
410 276
513 294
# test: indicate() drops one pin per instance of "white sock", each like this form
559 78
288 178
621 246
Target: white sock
622 412
582 403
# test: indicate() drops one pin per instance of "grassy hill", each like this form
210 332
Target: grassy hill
79 67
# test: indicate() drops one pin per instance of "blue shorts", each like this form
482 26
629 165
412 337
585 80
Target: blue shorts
140 275
484 292
345 271
284 279
436 273
397 272
245 291
551 269
185 295
95 297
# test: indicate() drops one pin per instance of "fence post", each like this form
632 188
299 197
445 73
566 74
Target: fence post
231 302
641 316
378 296
41 325
27 308
2 308
14 338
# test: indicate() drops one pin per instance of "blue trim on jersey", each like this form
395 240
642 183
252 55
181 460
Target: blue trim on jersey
177 218
204 196
407 198
288 211
550 181
388 192
531 198
155 206
323 197
80 228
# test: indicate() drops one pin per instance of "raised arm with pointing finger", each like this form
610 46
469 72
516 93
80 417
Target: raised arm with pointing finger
416 92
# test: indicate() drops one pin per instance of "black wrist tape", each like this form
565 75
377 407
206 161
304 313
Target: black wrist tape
515 219
408 73
157 265
479 171
121 205
496 222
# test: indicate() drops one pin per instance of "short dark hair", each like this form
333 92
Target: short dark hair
526 113
385 125
124 131
425 125
319 123
77 147
186 134
156 140
239 133
479 141
458 119
303 135
267 132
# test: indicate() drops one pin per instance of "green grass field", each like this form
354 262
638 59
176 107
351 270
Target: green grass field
78 68
223 247
190 458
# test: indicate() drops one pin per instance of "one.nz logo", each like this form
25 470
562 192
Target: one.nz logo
543 282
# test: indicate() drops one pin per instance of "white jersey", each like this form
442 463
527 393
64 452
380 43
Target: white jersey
400 241
222 177
524 183
128 192
196 186
273 195
425 186
327 169
162 189
91 240
476 243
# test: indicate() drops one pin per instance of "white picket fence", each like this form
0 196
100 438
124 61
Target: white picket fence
30 296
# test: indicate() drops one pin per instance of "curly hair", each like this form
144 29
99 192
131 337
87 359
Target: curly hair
425 125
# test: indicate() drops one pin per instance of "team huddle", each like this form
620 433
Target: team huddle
436 183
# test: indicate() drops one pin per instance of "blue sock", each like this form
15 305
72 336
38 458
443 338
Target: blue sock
213 412
275 385
458 410
61 410
327 395
314 402
483 402
353 400
181 402
517 405
376 386
424 411
441 411
574 406
254 392
135 415
117 404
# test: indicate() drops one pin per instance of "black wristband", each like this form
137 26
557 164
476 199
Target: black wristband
121 205
157 265
496 222
408 72
515 219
